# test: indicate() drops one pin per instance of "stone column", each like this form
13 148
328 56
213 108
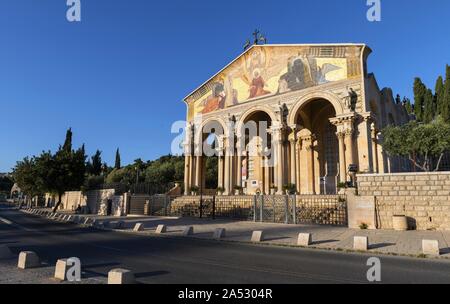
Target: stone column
262 175
374 150
227 171
188 166
278 141
349 147
342 162
293 165
311 169
298 150
191 172
382 163
186 175
198 171
239 164
220 171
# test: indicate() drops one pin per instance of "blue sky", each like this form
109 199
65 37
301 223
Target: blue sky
118 78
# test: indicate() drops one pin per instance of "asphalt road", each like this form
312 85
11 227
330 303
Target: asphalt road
182 261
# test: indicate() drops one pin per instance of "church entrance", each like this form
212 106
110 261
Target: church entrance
317 152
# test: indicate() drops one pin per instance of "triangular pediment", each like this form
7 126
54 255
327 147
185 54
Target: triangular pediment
267 70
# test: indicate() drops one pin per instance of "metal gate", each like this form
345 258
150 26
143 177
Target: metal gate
273 209
321 210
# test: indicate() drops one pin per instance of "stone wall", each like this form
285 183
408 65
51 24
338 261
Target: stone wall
423 197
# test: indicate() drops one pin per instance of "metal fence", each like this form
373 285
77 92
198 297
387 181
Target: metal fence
295 209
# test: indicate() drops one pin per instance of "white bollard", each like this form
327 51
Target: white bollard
161 229
361 243
138 227
258 236
28 259
188 231
120 276
430 247
61 269
304 239
219 233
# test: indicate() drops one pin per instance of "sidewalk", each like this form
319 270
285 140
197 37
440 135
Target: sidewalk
324 237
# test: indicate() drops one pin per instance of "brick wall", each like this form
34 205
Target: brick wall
423 197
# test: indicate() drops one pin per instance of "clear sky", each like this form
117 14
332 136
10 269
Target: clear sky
119 76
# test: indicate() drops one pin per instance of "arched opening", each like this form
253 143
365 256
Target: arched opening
254 148
206 170
317 150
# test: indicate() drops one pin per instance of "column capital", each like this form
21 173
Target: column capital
340 134
307 141
349 132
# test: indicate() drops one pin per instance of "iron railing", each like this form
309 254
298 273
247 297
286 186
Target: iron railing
292 209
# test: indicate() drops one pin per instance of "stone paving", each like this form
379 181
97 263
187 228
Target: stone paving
323 237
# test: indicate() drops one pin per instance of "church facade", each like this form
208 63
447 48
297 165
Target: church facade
290 116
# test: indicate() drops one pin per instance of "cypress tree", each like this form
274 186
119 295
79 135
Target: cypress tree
117 164
439 89
96 164
68 142
419 98
446 99
429 107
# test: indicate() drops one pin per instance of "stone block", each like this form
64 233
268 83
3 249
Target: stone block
188 231
304 239
28 259
258 236
61 269
219 233
138 227
430 247
120 277
161 229
361 243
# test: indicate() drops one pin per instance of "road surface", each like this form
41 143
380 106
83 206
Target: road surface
185 260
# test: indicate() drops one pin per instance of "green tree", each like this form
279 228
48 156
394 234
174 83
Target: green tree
68 142
446 101
117 162
423 144
419 98
439 95
96 165
64 171
26 176
429 107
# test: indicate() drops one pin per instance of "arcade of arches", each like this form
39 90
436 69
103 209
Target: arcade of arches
313 154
